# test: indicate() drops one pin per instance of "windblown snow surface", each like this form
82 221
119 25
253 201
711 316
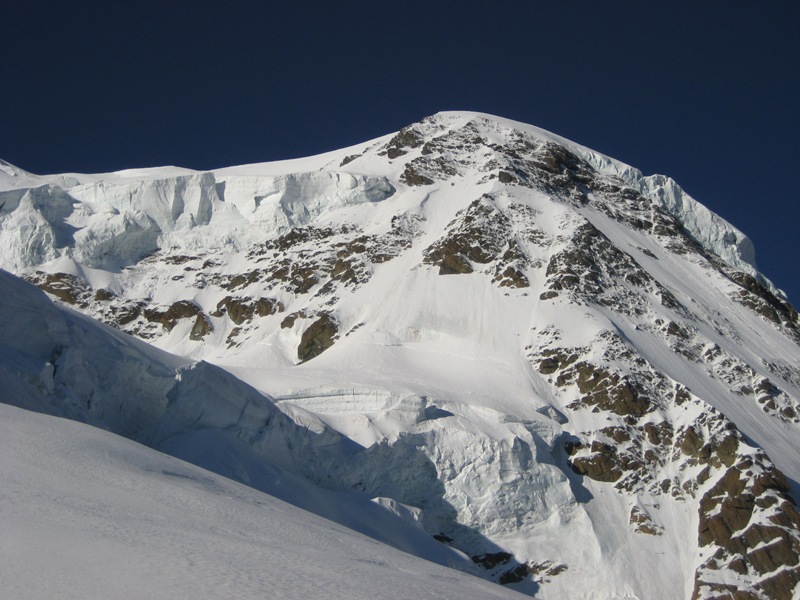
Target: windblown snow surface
87 514
472 340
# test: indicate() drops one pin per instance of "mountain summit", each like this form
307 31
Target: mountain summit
570 372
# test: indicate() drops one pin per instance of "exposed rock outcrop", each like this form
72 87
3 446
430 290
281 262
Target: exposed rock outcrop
318 337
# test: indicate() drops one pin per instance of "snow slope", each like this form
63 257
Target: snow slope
87 514
64 364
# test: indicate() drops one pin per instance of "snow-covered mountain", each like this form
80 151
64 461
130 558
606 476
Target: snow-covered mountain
530 352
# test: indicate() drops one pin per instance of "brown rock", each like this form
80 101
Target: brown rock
602 465
781 585
290 319
182 309
201 328
689 442
240 310
127 314
67 288
268 306
454 264
410 176
318 337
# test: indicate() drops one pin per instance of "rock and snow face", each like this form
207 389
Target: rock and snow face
525 349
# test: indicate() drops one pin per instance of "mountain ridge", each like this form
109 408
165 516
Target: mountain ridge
659 188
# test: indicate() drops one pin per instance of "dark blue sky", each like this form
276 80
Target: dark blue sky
706 92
